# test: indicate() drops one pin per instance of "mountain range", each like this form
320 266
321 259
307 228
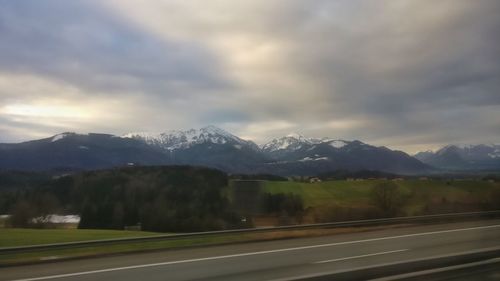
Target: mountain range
463 157
213 147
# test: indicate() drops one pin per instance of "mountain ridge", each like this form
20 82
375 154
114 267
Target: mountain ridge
179 139
210 146
463 157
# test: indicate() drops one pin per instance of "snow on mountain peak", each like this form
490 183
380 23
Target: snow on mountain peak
60 136
291 141
295 136
296 141
338 143
470 152
215 130
177 139
142 135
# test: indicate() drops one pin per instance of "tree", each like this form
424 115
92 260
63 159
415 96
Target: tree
286 205
22 214
47 204
387 197
118 216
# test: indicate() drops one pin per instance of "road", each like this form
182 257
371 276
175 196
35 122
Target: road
274 260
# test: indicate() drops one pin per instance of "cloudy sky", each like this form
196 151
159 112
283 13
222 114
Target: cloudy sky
407 74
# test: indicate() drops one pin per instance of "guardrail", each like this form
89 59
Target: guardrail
384 221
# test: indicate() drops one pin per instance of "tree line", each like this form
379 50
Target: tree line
166 199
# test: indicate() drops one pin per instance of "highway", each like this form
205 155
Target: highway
274 260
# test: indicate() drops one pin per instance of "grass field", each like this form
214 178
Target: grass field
10 237
419 193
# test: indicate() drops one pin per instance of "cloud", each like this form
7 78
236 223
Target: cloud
405 74
77 42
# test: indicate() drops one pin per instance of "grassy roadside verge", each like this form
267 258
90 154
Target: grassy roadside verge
9 259
12 237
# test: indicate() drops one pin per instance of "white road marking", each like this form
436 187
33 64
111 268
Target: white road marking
424 273
256 253
363 256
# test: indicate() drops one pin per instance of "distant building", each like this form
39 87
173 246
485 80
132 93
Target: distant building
314 180
57 219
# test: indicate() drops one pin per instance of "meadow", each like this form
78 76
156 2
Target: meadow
418 196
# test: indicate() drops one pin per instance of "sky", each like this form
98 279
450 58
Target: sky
407 74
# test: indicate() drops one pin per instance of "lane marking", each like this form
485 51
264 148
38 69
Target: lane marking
327 273
425 273
256 253
362 256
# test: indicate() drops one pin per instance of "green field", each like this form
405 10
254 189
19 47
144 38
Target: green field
10 237
417 193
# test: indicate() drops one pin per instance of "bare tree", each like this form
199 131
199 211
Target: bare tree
387 197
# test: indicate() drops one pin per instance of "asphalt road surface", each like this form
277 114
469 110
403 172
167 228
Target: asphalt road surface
274 260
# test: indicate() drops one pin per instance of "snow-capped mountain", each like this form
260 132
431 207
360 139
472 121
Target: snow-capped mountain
463 157
294 142
72 151
298 154
209 146
174 140
59 137
290 142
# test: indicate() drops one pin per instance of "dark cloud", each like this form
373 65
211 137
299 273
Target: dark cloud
406 74
398 66
79 43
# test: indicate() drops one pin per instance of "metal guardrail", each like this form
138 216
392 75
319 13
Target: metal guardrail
383 221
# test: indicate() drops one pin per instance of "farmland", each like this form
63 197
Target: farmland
420 196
